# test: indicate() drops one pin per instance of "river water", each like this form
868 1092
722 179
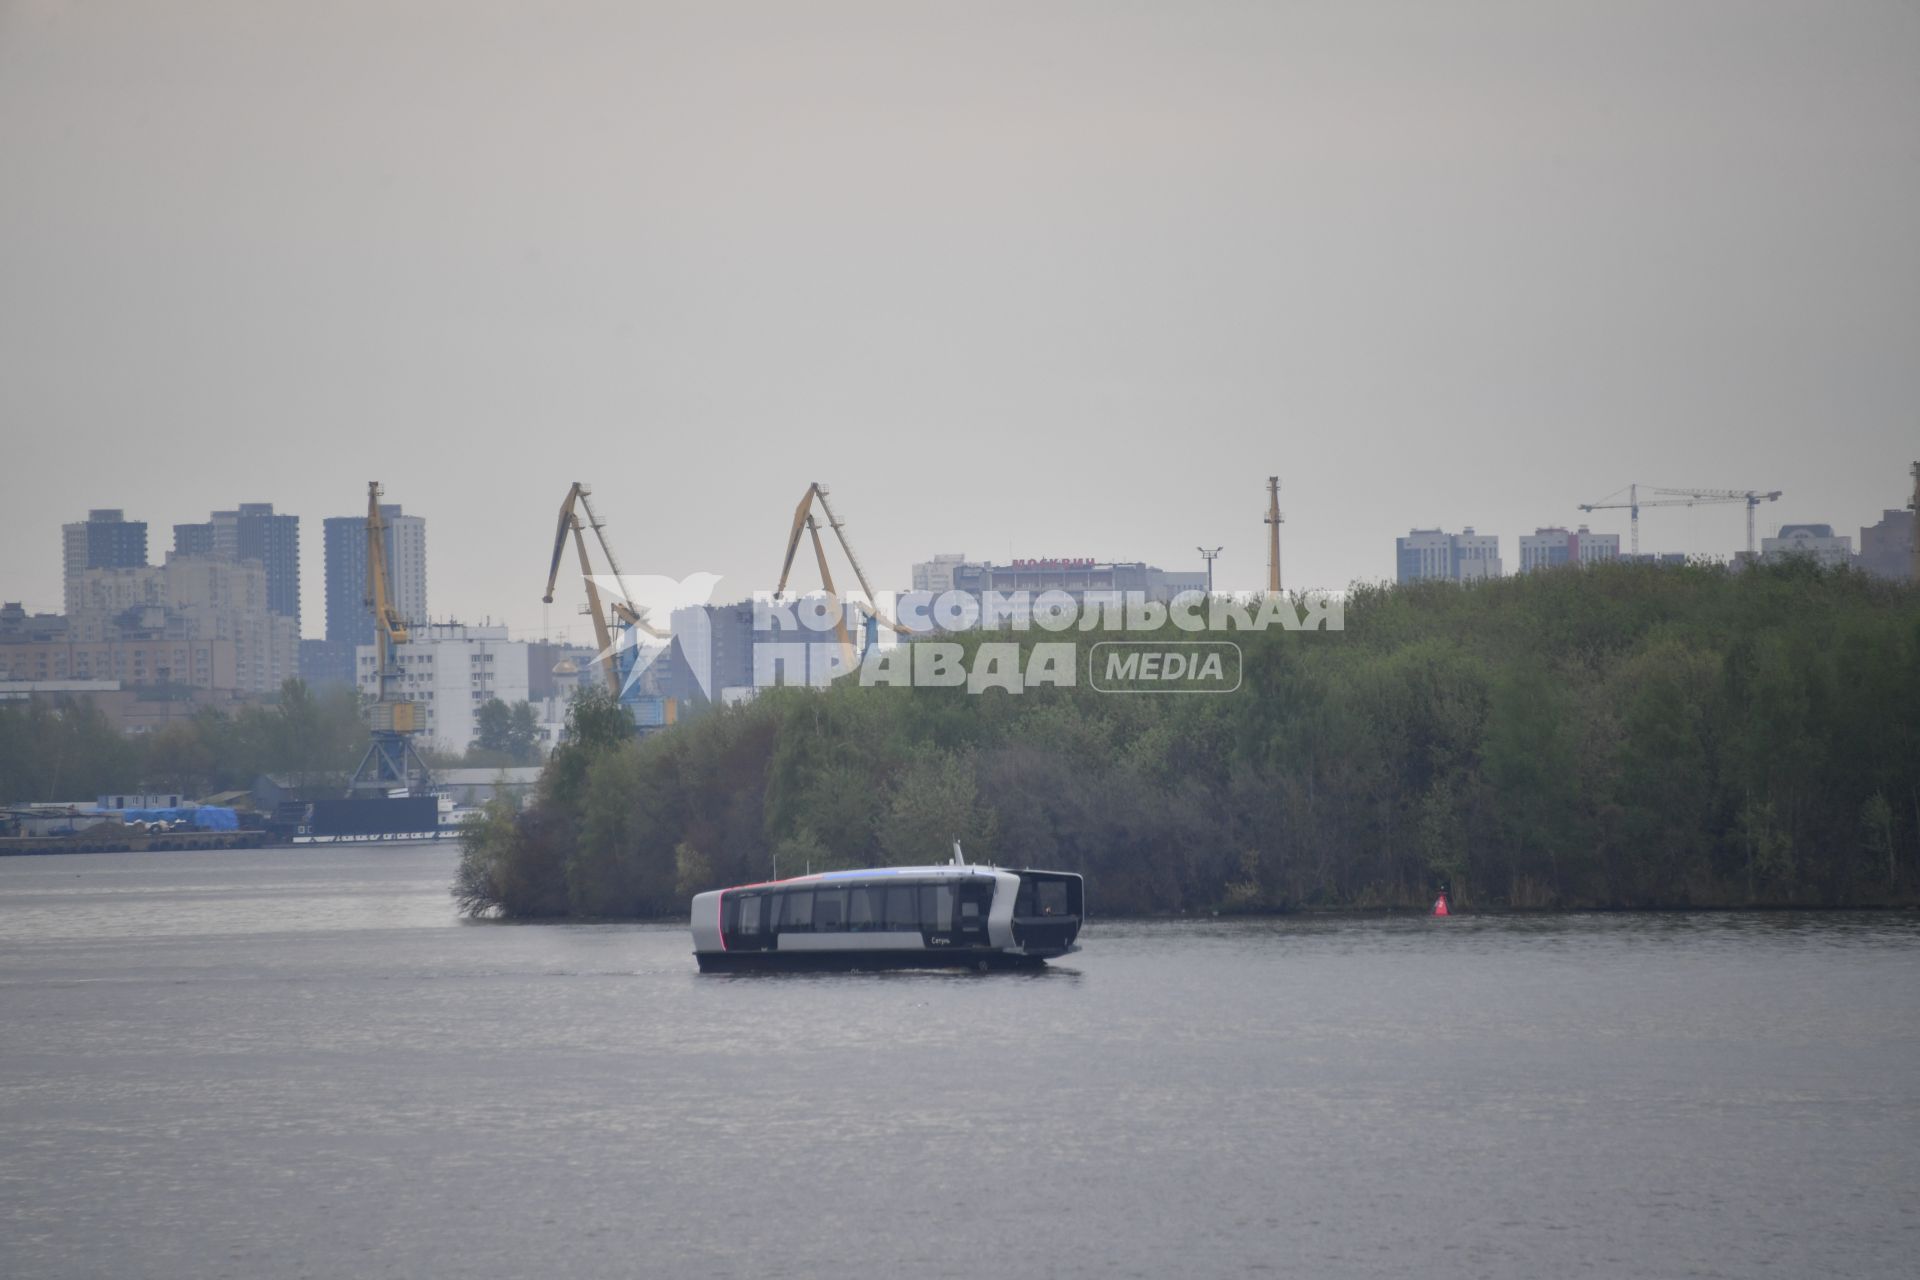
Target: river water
299 1063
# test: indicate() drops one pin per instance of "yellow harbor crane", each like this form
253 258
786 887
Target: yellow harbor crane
391 765
613 616
804 521
1680 498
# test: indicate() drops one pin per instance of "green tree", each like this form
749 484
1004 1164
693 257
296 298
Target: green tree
523 734
492 727
934 803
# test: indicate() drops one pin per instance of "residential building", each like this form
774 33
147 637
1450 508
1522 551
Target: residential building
1886 548
1553 547
106 539
193 539
936 575
252 531
17 626
326 664
724 634
105 601
348 619
199 622
722 654
1814 541
1075 576
452 669
141 659
219 597
1455 557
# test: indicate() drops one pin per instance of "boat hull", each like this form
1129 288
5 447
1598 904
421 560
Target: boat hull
847 961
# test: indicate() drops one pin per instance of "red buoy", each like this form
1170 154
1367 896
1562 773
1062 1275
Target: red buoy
1440 906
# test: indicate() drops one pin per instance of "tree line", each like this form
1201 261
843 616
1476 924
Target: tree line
67 749
1615 736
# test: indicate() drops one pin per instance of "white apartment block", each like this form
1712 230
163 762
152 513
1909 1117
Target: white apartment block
1548 548
408 572
1816 541
451 669
1458 557
936 575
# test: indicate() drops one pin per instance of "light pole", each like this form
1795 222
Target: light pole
1209 556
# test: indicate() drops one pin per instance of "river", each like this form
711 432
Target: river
265 1063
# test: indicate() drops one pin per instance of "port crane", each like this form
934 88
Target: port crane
1680 498
804 521
607 614
391 765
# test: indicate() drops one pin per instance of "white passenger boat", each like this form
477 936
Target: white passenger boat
891 917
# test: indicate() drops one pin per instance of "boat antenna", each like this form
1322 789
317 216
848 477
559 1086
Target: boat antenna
959 858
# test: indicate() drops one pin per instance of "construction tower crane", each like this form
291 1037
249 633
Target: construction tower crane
1680 498
391 764
805 521
608 613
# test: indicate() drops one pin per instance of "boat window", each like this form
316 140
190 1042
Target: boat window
1023 904
829 910
750 915
903 909
974 897
866 907
936 907
1050 898
796 911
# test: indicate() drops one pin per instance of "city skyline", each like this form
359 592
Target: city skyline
565 625
1002 287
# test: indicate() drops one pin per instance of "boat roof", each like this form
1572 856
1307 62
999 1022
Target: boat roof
869 873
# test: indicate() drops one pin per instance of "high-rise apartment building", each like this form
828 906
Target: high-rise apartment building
229 598
252 531
1549 548
936 575
199 621
193 539
106 539
1455 557
1886 548
348 619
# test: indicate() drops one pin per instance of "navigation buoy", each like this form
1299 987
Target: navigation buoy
1440 906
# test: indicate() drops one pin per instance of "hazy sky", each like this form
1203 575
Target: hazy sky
1038 278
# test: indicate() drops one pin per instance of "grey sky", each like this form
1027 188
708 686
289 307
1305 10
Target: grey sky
1039 278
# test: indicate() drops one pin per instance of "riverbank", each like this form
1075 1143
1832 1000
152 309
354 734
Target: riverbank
1611 738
